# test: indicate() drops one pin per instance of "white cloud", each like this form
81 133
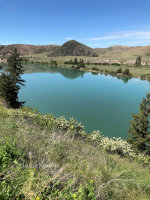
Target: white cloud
138 35
138 42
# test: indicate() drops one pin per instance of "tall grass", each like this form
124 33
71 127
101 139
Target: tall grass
42 157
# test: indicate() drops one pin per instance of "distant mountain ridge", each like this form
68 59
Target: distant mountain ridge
70 48
25 49
74 48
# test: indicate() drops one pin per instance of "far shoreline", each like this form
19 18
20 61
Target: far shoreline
141 72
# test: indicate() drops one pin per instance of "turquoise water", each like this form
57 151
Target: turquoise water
100 102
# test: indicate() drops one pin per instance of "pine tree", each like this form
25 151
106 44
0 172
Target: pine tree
139 127
138 61
11 80
75 61
80 64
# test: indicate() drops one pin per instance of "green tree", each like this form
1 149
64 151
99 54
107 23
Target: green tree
11 81
126 71
80 64
53 62
138 61
75 61
119 70
140 127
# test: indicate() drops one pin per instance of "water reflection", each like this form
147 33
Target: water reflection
125 79
67 73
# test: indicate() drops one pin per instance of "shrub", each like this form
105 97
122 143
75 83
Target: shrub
53 63
115 64
11 173
87 192
80 64
106 64
112 73
70 62
148 76
119 70
8 154
143 77
95 68
126 72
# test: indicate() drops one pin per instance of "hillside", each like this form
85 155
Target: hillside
74 48
124 52
43 157
27 49
70 48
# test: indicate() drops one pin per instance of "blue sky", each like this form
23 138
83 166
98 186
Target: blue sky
97 23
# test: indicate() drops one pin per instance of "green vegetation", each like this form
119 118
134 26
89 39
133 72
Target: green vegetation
53 63
95 68
70 62
79 63
119 70
138 61
50 63
126 72
139 128
42 157
10 81
67 62
116 64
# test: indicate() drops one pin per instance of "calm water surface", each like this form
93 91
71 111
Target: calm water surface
100 102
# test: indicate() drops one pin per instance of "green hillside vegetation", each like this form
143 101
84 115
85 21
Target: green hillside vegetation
47 158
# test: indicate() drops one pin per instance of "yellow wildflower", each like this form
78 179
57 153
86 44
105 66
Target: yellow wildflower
74 196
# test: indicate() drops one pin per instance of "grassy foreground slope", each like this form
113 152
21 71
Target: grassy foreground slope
42 157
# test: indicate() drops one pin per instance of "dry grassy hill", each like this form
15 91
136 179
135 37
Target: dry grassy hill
124 52
70 48
27 49
74 48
